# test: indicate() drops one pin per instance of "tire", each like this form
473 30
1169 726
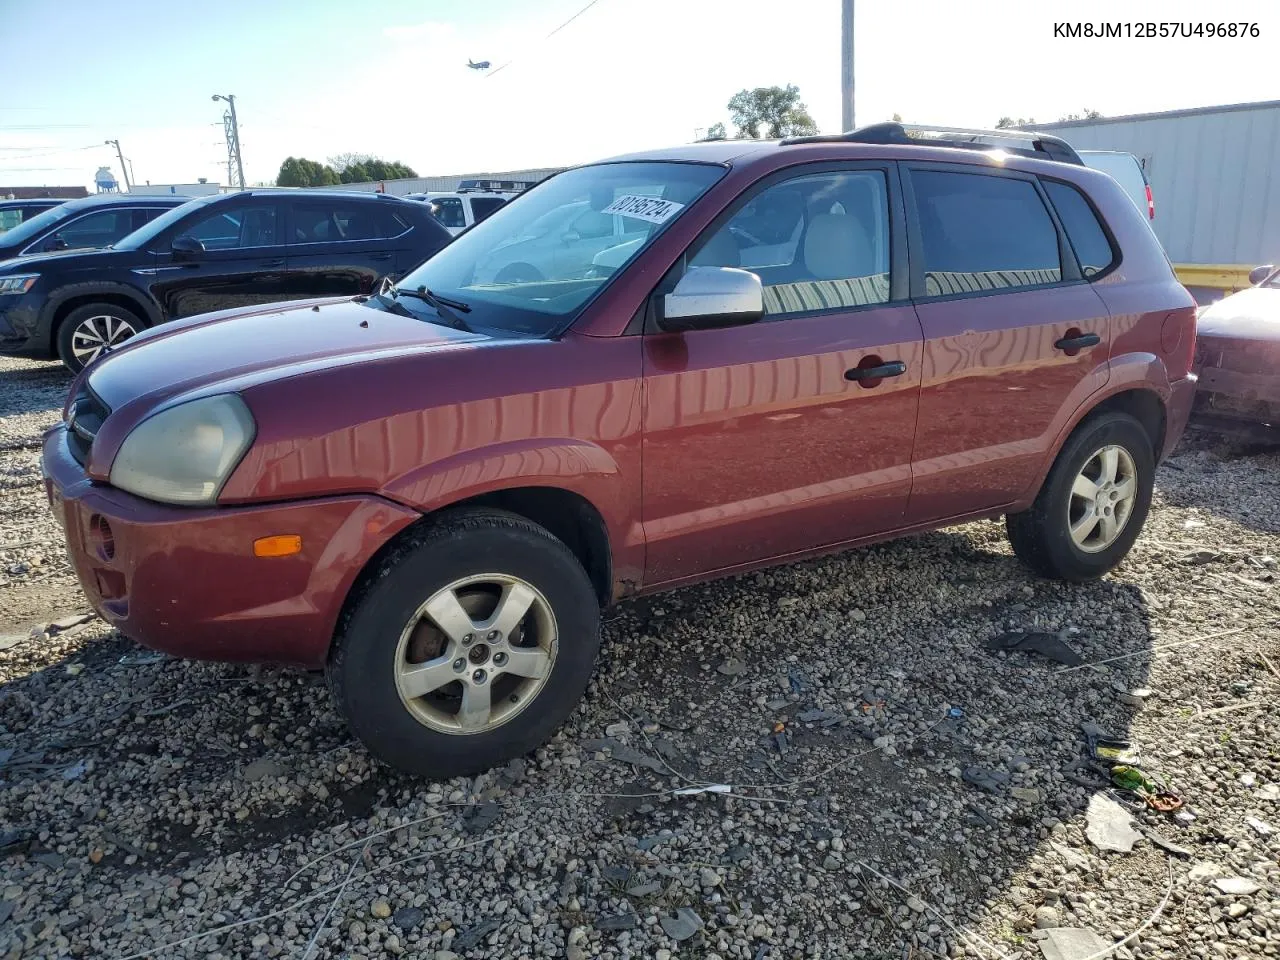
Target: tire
85 330
389 634
518 273
1042 536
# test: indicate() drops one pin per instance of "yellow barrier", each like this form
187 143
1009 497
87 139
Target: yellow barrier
1220 276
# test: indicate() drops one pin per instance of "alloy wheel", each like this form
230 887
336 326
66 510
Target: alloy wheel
476 653
93 335
1102 498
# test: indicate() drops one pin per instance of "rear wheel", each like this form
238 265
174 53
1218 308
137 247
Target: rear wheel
89 331
1093 503
472 644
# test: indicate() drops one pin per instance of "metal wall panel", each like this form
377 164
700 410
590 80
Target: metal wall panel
1211 171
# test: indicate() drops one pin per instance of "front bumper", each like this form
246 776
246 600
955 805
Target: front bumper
186 581
20 331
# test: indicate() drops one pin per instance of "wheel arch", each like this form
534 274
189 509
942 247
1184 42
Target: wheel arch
79 295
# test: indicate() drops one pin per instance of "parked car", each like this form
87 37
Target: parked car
230 250
1238 361
431 492
1128 171
457 211
14 212
87 223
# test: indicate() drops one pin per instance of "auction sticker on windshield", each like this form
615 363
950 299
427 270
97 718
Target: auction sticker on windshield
652 209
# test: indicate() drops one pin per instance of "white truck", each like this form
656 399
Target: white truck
471 202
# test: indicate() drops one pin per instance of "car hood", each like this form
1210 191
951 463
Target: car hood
68 259
236 349
1252 314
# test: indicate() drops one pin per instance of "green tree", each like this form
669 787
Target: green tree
716 132
771 112
1085 114
1006 122
897 118
371 168
301 172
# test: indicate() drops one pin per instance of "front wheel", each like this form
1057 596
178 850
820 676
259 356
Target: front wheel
88 332
1093 503
472 643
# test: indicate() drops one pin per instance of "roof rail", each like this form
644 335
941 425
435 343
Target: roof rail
1026 143
484 185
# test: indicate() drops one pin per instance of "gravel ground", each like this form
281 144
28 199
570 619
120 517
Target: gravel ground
159 808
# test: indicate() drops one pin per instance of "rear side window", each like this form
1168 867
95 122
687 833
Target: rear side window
1087 237
983 232
334 223
483 206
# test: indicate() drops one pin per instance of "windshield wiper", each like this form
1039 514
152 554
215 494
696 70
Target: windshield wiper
445 308
394 307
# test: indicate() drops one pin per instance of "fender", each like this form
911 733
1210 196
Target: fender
1130 371
565 463
147 307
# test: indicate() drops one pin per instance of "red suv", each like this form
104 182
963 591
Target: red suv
737 354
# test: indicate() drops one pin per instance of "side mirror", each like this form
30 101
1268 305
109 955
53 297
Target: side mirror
1258 274
187 247
707 298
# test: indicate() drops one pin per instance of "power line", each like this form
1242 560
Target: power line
548 36
47 153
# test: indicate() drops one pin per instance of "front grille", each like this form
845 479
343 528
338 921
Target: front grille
84 421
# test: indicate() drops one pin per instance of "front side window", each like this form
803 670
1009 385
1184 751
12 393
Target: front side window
448 210
1084 232
235 229
95 229
983 232
529 267
330 223
818 242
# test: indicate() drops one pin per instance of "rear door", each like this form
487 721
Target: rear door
242 262
337 247
775 438
1014 335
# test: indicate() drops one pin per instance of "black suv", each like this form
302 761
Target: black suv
232 250
89 222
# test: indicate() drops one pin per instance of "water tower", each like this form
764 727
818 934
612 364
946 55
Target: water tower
105 181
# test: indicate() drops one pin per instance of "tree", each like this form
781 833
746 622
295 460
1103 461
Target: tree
1086 114
301 172
716 132
775 110
372 168
342 161
897 118
1006 122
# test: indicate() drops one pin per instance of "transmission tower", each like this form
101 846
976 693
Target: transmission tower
234 178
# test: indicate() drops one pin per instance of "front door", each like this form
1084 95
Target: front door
793 433
242 262
1014 334
339 247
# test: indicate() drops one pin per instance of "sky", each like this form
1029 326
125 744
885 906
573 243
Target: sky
317 78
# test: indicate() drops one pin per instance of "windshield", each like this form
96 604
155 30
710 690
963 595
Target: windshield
141 237
37 225
539 259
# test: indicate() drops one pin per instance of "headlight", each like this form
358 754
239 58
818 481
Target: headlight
20 283
185 454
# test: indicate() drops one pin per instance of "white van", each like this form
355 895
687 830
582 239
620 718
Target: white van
1126 170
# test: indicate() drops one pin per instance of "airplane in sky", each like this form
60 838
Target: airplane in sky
482 65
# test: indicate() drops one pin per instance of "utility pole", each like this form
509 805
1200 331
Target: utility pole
233 140
846 66
124 171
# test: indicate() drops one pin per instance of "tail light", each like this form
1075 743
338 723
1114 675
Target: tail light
1151 204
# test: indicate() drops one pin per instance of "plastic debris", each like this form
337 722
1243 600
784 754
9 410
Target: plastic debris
1109 826
1072 943
1166 844
683 925
472 937
76 770
616 923
142 658
620 752
989 780
955 713
798 681
826 718
1051 645
711 788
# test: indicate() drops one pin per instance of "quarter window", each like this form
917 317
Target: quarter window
818 242
1087 237
983 232
482 207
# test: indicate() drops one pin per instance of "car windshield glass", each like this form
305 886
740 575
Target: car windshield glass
37 225
538 260
143 236
1273 281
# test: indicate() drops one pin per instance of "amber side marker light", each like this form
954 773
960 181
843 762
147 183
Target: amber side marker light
284 545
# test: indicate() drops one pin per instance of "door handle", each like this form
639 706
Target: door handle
894 368
271 263
1078 342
